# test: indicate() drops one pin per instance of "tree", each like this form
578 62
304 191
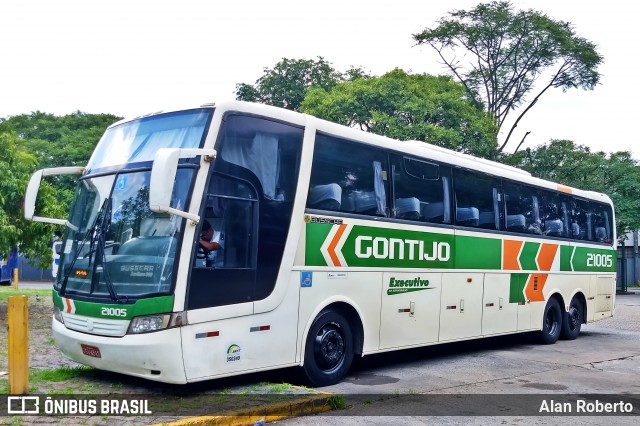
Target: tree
615 174
39 140
508 52
287 83
58 141
405 106
33 238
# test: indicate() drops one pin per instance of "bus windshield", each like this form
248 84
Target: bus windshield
116 246
138 141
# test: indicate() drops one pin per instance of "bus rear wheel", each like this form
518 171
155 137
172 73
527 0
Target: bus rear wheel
328 350
551 323
572 321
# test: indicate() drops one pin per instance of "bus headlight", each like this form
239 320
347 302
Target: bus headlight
151 323
57 314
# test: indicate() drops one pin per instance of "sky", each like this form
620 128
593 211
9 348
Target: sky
132 57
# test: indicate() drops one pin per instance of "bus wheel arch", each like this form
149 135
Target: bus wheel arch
332 340
573 319
552 319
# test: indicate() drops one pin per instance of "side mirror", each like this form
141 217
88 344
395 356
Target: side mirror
163 176
32 192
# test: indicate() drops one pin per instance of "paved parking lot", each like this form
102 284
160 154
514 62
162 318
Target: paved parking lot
605 359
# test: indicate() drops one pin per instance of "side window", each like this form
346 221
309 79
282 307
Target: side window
521 206
268 149
420 190
348 177
476 200
554 215
226 234
602 223
580 220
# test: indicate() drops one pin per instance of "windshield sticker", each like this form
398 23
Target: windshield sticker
121 183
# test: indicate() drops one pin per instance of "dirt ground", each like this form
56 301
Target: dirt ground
42 350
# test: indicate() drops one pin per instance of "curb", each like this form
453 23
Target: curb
305 406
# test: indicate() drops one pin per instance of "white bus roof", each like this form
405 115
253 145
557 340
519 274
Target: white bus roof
416 148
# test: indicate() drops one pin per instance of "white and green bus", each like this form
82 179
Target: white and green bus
332 243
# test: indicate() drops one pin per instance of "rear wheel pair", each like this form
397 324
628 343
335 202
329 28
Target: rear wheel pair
557 324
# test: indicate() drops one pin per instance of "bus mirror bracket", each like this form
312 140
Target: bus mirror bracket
32 193
163 176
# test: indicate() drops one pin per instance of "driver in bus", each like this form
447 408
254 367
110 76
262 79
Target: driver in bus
211 241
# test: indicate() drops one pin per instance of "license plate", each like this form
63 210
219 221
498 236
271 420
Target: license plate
92 351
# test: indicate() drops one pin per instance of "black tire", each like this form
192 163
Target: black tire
572 320
328 350
551 323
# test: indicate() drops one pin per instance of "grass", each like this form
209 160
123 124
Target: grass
57 374
8 291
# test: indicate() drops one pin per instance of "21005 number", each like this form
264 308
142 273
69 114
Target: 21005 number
114 312
599 260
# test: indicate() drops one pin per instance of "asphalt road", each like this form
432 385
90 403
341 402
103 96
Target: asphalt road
498 380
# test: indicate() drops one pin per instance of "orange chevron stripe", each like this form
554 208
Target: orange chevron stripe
534 287
68 303
546 255
334 242
511 250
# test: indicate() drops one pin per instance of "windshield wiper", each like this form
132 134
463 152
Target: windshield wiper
90 234
97 236
101 248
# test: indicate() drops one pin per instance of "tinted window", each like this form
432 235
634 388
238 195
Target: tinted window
554 215
476 198
268 149
580 220
602 223
421 190
521 205
348 177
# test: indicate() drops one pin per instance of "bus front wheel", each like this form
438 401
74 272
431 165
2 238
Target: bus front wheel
328 350
551 323
572 321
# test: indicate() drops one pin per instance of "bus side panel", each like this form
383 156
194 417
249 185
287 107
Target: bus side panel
604 297
358 289
498 314
460 309
248 343
410 313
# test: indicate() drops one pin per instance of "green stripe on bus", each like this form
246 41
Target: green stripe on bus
516 292
565 258
477 253
146 306
528 256
380 247
316 234
368 246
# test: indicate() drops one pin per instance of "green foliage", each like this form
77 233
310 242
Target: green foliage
615 174
40 140
58 141
508 52
405 106
287 83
